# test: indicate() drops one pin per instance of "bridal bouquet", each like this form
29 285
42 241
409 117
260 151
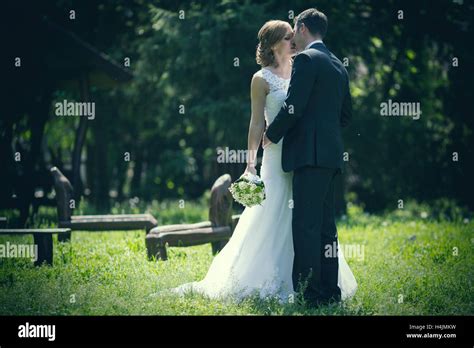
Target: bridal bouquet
248 190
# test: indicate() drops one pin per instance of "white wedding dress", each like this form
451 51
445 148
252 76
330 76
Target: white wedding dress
258 259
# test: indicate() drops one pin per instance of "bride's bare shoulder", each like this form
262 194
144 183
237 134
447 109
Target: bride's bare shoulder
258 75
259 82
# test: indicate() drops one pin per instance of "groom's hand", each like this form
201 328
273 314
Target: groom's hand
265 141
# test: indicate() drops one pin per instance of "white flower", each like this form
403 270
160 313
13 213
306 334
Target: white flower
249 191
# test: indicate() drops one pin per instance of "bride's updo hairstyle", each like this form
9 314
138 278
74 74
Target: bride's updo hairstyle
270 34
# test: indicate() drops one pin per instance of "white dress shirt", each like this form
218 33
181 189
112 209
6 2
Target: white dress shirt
312 43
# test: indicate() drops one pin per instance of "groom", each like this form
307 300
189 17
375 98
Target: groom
317 106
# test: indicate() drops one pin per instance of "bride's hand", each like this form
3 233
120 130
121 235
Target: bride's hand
250 169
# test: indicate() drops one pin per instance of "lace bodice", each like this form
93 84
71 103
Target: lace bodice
276 95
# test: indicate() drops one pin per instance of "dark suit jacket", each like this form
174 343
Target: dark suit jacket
317 106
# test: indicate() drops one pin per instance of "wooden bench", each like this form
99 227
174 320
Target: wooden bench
121 222
216 231
43 238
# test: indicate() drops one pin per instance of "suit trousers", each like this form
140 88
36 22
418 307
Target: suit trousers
315 266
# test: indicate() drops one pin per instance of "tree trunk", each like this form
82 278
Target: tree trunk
81 132
137 173
30 174
102 174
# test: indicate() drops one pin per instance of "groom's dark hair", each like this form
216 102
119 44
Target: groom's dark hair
314 20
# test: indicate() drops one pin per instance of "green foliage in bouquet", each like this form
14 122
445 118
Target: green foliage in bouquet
248 190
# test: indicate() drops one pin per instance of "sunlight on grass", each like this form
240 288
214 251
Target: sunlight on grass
408 267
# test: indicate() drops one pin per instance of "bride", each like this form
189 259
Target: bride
258 258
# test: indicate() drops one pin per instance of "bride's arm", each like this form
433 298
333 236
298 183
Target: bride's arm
258 92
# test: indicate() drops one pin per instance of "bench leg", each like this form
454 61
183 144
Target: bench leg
151 248
218 246
162 252
64 237
45 248
155 249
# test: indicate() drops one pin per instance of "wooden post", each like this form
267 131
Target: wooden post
64 195
220 211
155 249
44 241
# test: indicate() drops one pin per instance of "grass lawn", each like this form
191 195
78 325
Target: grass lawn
410 266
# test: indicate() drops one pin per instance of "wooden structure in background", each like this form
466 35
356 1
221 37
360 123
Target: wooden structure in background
53 59
216 231
121 222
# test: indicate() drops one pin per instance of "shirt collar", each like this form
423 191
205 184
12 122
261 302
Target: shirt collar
312 43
